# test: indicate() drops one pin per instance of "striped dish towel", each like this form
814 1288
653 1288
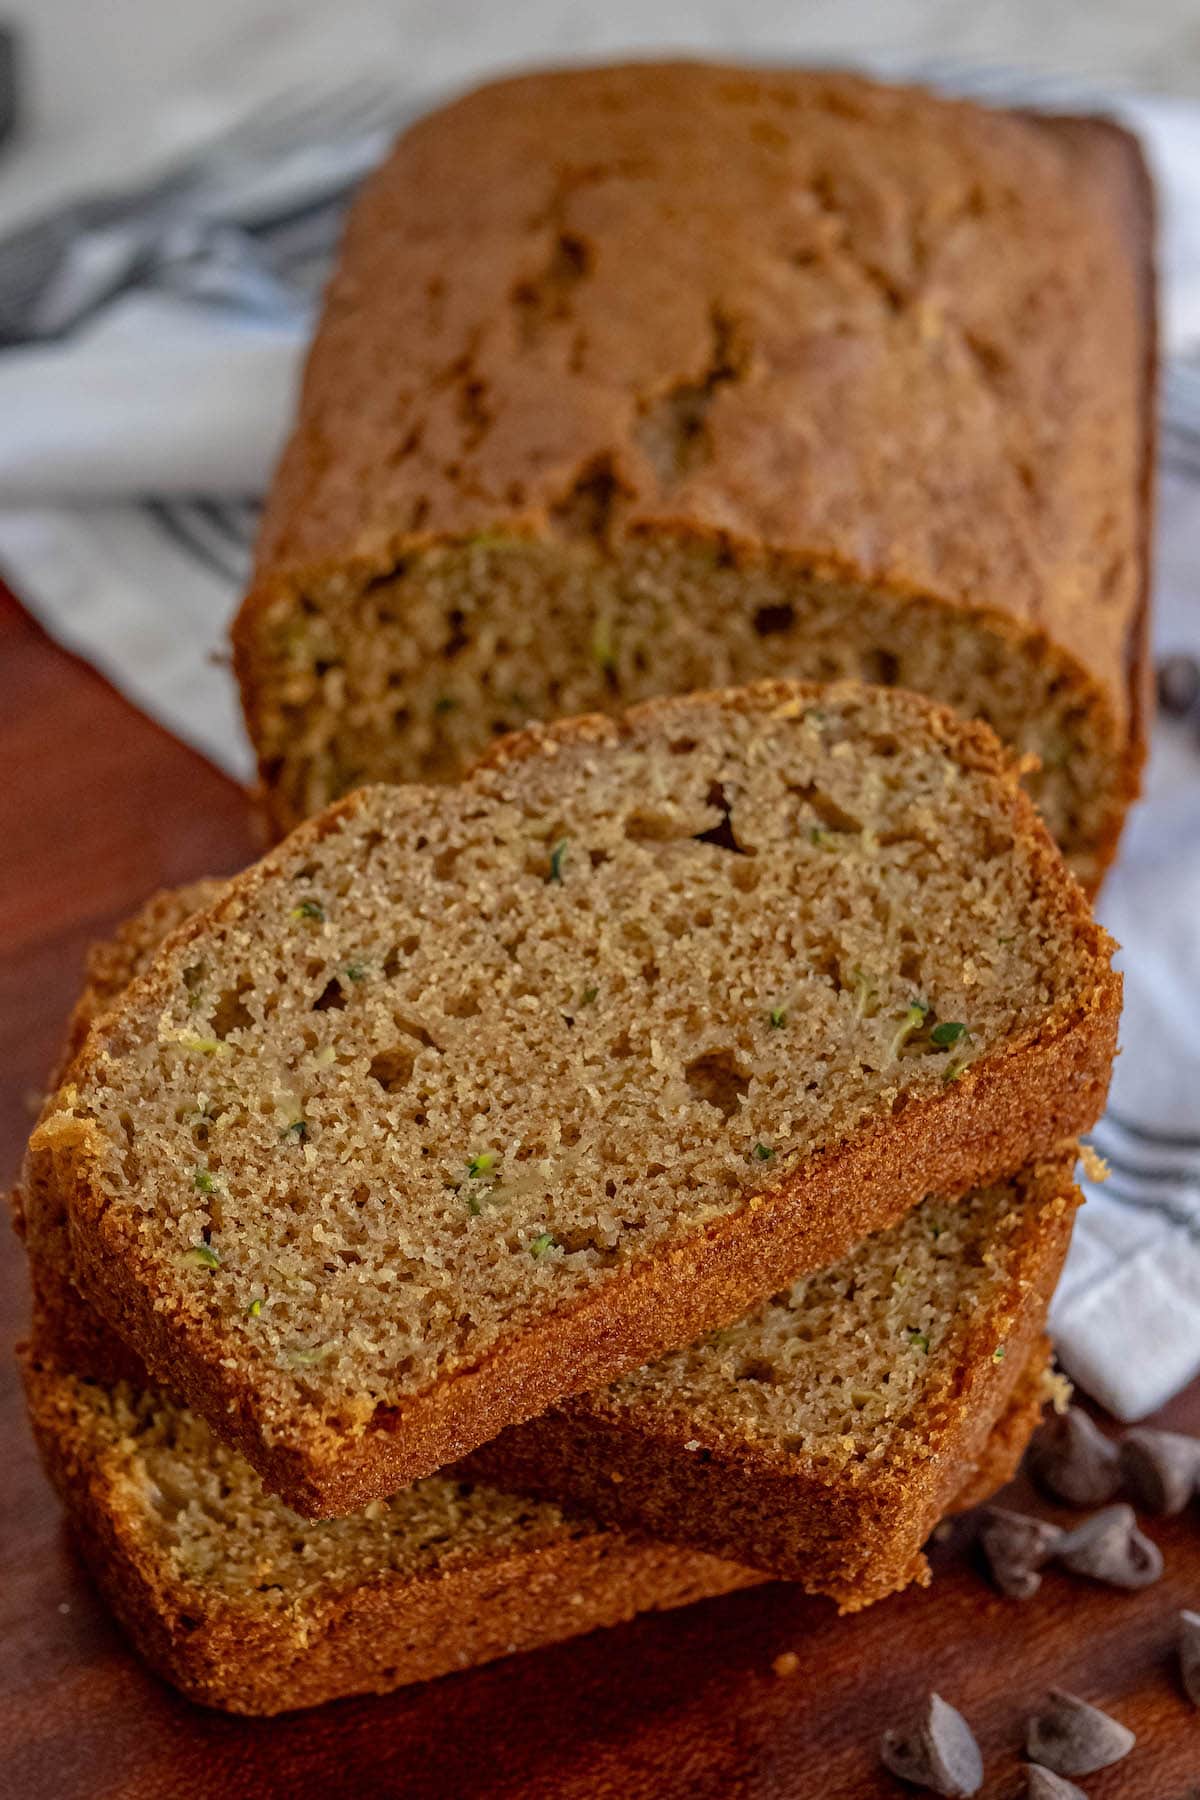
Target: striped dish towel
156 411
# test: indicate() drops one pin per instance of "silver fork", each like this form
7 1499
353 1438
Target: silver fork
299 151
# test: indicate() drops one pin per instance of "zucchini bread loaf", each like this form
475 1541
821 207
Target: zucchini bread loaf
646 379
471 1097
819 1439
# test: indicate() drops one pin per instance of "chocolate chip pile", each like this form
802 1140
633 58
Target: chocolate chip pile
1107 1547
1073 1461
936 1750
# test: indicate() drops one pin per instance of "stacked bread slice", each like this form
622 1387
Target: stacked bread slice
673 1119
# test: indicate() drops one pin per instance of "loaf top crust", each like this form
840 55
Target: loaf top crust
901 339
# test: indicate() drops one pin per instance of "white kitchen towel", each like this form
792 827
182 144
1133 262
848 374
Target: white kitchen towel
130 462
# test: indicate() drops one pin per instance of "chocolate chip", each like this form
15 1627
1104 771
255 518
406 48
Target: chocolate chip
1189 1655
1161 1469
937 1751
1072 1738
1017 1546
1073 1460
1109 1547
1178 685
1044 1784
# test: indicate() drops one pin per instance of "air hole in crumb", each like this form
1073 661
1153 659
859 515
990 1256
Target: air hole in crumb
881 667
393 1068
645 827
757 1369
770 621
462 1006
331 998
414 1028
716 1079
910 967
456 634
231 1012
681 746
825 959
721 835
621 1047
398 955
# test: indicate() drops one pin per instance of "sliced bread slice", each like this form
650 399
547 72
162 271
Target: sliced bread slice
823 1437
245 1606
820 1439
471 1098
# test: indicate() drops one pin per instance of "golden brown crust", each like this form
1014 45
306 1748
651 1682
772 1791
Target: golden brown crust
1002 1454
1004 1110
987 274
855 1535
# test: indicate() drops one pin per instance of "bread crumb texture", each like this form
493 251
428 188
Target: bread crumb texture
451 1059
861 1368
215 1526
874 405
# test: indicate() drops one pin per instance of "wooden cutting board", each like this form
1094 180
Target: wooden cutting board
98 807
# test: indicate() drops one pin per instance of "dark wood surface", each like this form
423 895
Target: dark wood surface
97 807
